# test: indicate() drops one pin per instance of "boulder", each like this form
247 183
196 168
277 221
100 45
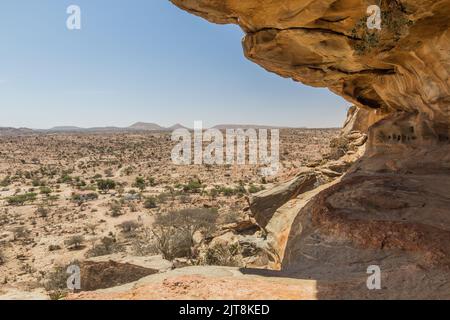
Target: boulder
264 204
118 269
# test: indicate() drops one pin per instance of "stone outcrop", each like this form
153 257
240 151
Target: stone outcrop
264 204
392 208
202 283
118 269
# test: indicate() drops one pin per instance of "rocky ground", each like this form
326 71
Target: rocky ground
93 199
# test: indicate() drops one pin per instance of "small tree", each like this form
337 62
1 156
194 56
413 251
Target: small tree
74 242
150 203
174 232
106 185
140 183
116 208
129 226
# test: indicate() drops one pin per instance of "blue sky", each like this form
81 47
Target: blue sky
140 60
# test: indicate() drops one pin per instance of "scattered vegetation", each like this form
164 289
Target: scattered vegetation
81 182
82 198
21 199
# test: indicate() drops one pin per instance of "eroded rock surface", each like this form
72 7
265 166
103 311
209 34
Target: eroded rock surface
207 283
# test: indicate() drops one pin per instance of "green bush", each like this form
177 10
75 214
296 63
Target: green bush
254 189
45 190
106 185
65 179
150 203
21 199
140 183
194 186
228 191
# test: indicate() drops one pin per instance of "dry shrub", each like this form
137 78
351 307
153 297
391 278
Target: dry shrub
106 247
174 232
223 255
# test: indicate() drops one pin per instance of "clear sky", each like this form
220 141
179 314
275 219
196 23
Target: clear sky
140 60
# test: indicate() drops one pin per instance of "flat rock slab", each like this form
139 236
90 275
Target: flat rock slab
207 283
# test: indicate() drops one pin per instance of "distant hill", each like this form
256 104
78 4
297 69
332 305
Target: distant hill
65 128
144 126
244 126
138 126
176 126
15 131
